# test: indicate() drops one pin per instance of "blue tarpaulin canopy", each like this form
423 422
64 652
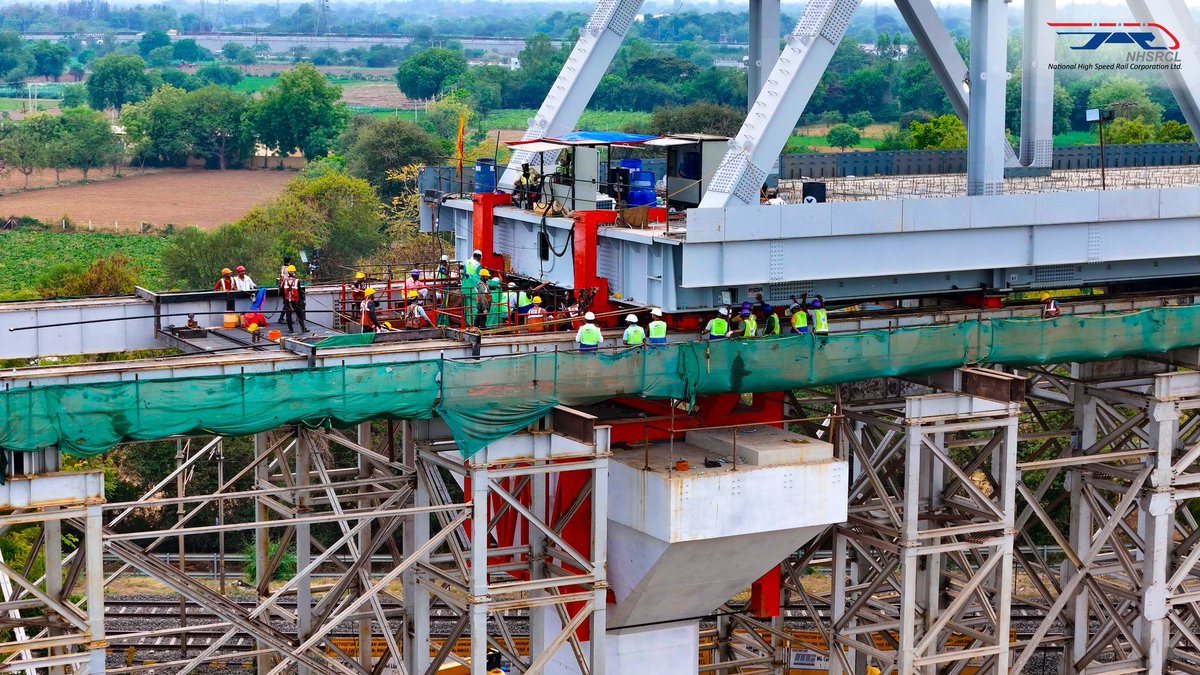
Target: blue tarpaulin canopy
602 138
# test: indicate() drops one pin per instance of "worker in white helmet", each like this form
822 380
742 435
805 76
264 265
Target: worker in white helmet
635 335
657 333
473 265
718 326
589 336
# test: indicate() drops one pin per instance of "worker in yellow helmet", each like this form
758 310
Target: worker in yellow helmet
368 316
414 314
535 316
293 298
483 299
1050 308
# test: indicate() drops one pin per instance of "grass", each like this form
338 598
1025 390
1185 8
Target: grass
592 120
253 83
801 144
28 252
1076 138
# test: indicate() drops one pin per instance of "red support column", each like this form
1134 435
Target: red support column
764 595
586 244
483 220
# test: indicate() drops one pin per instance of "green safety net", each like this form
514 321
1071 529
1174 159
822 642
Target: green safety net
483 400
352 340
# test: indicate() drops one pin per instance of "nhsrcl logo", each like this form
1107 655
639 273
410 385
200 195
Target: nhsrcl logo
1149 37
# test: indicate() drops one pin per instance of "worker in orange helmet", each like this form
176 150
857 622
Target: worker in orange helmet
228 285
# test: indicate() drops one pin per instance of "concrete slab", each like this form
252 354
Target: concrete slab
762 446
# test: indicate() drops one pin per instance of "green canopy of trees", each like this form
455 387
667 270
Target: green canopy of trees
423 75
118 79
303 111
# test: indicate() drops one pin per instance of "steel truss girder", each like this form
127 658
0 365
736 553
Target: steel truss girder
577 81
779 104
1185 82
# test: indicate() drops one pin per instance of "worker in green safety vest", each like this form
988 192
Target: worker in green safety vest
589 336
499 306
749 324
770 321
798 316
718 326
657 328
820 317
635 335
467 283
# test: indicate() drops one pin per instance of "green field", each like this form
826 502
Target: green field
1076 138
592 120
800 144
253 83
28 252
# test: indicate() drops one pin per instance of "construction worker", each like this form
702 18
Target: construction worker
293 298
498 306
475 263
415 315
820 317
1050 308
283 269
512 299
228 285
242 281
657 329
749 324
635 335
443 270
589 336
483 301
770 325
414 283
718 326
798 316
368 318
536 316
523 188
524 299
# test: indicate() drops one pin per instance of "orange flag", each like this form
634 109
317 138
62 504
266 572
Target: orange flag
462 128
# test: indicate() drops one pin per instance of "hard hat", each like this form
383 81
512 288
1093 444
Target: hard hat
291 269
723 312
226 271
631 319
415 273
484 273
537 299
816 304
477 254
252 327
511 285
589 316
656 312
360 275
412 294
744 312
618 296
387 325
1045 297
768 309
369 292
746 305
494 282
241 269
445 258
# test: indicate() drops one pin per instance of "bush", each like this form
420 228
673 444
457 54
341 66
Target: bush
111 275
941 133
911 116
831 117
287 564
697 118
1129 132
861 120
1173 132
896 139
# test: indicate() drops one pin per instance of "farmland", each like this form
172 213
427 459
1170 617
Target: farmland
27 253
177 197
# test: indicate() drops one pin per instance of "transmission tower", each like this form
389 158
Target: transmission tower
322 25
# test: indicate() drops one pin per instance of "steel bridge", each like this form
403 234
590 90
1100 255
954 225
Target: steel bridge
505 498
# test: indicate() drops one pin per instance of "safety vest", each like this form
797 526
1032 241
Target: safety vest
291 289
634 335
472 267
589 336
224 284
717 328
772 327
820 320
523 300
800 320
658 332
749 326
365 319
535 317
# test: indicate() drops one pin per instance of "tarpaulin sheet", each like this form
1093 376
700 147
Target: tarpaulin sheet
483 400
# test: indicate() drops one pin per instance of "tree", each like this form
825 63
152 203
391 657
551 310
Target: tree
26 146
74 95
190 50
941 133
422 75
49 60
160 57
179 79
157 128
1128 97
218 128
1173 132
1129 131
445 114
374 146
191 255
843 136
831 117
302 111
118 79
697 118
895 139
226 76
153 40
860 120
15 61
90 139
